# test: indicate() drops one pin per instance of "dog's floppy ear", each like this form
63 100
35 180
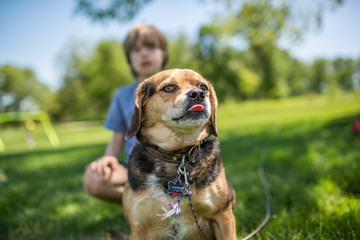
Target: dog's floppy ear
135 123
213 103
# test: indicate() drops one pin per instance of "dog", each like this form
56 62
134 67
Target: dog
177 188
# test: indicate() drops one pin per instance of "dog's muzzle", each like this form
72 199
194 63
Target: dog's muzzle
196 95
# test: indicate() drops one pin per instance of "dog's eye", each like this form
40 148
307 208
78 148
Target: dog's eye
203 88
169 88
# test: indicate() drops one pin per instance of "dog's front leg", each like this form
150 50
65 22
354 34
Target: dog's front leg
134 236
224 225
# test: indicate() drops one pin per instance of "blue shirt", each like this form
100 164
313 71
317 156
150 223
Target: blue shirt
119 113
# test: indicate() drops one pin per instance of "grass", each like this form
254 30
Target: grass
312 165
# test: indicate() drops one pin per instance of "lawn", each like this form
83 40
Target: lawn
311 162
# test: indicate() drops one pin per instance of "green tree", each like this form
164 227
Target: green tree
290 74
90 79
125 10
297 77
118 10
343 72
214 64
106 71
262 24
181 54
72 95
319 76
20 90
356 77
249 83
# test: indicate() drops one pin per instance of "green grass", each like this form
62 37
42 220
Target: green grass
312 165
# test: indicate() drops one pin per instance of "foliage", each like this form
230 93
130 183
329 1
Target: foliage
90 76
319 76
72 95
262 24
118 10
106 71
181 54
249 82
260 70
125 10
343 73
216 64
311 164
21 90
90 81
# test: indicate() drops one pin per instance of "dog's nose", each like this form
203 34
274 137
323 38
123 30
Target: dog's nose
196 94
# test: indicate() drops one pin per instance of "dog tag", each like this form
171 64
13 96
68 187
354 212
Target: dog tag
176 187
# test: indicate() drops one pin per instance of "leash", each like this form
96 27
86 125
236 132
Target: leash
265 185
176 186
197 222
175 209
184 173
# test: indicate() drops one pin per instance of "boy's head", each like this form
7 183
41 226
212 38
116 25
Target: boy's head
148 36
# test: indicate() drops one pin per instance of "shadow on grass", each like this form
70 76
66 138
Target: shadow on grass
298 158
45 199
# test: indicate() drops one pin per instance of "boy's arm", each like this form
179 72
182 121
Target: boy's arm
109 162
116 145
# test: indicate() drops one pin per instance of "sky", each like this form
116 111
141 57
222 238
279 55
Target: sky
34 33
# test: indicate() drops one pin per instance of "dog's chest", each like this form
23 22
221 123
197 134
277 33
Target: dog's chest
174 215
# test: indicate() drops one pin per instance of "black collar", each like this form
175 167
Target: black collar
192 154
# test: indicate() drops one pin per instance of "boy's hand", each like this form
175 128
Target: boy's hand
104 166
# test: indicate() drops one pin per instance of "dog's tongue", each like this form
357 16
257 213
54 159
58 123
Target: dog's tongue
196 108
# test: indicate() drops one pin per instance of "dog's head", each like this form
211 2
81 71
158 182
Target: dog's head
174 109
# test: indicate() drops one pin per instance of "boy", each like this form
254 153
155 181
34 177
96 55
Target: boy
147 54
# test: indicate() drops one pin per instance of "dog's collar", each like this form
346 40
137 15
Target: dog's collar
192 154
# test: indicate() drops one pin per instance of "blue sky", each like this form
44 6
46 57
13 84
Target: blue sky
34 33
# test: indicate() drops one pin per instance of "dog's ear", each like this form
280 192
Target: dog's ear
135 123
214 104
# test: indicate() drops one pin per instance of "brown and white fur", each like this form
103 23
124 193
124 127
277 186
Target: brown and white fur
174 111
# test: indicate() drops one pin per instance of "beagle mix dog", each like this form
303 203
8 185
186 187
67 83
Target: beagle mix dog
177 188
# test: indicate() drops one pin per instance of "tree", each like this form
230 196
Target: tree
356 77
181 54
105 72
90 79
262 24
249 83
214 64
125 10
343 72
319 76
104 11
71 95
20 90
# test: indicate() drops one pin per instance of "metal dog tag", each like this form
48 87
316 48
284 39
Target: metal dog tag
176 187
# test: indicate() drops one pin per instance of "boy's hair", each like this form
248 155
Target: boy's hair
147 36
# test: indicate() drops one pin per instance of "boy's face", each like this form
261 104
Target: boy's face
146 61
